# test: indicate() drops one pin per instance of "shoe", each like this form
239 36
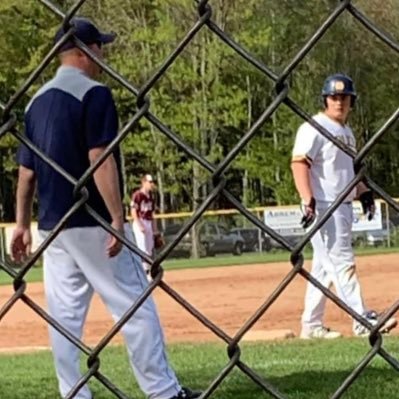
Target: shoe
186 393
372 317
320 332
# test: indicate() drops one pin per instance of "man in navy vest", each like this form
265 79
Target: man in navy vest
72 119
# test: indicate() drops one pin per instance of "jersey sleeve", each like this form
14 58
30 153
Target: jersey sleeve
308 143
100 117
24 154
136 200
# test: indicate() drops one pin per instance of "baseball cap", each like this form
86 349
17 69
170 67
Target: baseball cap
85 31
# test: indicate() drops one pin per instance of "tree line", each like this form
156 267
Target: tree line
210 96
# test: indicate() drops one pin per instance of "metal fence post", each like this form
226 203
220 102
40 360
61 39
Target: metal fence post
3 249
387 220
260 249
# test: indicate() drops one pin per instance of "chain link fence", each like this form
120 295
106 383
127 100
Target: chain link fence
141 95
228 232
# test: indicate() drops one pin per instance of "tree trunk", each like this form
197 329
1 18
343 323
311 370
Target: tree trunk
273 118
3 187
245 179
203 118
160 189
195 252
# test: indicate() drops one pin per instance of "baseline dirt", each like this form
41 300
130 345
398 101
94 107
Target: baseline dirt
227 295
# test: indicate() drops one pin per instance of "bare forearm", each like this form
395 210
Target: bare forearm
300 171
25 191
107 182
135 216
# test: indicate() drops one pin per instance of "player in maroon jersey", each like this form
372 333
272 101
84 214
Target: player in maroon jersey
142 211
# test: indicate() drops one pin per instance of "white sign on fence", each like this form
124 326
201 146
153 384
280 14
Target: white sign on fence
286 220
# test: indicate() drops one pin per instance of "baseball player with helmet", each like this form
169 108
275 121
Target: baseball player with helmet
321 172
145 228
72 119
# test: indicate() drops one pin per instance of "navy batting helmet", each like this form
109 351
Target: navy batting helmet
339 84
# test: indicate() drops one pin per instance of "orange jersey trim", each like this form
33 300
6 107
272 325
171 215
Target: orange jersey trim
302 158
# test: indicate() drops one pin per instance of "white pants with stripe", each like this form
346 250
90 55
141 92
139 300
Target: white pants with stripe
333 264
144 239
76 265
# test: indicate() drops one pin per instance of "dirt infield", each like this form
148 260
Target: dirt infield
228 296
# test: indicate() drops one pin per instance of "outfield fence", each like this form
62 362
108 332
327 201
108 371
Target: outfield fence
228 231
140 96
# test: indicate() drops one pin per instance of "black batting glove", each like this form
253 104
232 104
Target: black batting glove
368 204
309 213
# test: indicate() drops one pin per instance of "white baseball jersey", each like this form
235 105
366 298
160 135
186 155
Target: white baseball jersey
331 169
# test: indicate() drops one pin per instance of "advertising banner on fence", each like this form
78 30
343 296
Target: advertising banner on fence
285 220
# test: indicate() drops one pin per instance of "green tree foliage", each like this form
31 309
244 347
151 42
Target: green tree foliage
210 97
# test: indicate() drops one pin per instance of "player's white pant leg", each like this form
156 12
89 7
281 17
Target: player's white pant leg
144 240
139 236
68 296
341 255
120 281
315 300
333 250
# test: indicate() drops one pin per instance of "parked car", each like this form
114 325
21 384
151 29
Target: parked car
252 238
291 239
216 239
183 248
213 239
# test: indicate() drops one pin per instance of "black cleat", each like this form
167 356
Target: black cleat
187 393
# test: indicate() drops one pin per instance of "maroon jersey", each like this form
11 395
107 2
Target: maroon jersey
143 204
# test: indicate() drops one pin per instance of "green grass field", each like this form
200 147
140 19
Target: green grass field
311 370
300 370
248 258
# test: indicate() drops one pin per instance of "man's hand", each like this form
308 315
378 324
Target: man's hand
301 174
21 241
309 213
21 244
114 246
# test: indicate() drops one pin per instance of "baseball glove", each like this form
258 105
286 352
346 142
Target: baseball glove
309 213
368 204
159 242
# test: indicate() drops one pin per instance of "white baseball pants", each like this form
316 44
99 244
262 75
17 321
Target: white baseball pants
333 263
144 240
75 265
